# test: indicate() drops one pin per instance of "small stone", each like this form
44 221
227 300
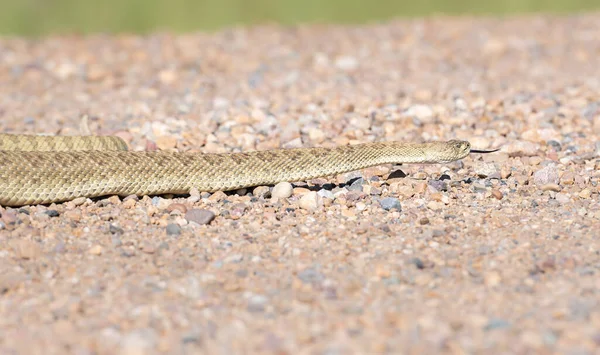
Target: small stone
547 175
484 170
282 190
585 193
479 186
326 194
310 201
134 198
96 250
300 191
173 229
348 213
162 203
424 221
522 148
346 63
114 229
177 207
405 191
357 185
567 178
9 217
261 191
435 205
390 203
199 216
217 196
497 194
492 278
79 201
550 187
194 192
257 303
438 185
422 112
316 135
194 195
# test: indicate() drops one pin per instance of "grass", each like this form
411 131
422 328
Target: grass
36 17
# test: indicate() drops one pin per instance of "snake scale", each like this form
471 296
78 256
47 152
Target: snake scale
43 169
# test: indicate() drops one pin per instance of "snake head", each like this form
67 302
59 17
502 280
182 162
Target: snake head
454 150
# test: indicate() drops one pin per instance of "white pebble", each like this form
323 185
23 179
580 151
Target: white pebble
311 201
282 190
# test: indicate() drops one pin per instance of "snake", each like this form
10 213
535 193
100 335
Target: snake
38 169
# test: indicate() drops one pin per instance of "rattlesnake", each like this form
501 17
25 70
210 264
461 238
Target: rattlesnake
43 169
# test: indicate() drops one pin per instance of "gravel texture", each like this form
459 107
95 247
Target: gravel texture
497 253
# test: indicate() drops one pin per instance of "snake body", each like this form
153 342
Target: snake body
42 169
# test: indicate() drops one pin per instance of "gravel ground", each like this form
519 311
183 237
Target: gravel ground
497 253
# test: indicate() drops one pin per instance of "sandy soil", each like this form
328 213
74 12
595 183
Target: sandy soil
493 254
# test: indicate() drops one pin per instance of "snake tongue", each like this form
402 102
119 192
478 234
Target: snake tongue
484 151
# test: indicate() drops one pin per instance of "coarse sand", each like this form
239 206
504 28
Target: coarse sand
497 253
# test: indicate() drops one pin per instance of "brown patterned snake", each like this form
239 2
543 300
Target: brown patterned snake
41 169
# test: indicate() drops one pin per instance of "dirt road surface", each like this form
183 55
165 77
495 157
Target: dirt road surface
498 253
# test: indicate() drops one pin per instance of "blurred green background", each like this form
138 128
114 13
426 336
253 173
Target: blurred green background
34 17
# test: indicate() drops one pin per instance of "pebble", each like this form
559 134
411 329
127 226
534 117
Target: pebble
194 195
261 191
199 216
585 193
546 175
282 190
79 201
178 207
346 63
422 112
173 229
328 194
484 170
479 186
521 148
550 187
357 185
9 217
96 250
257 303
497 194
115 229
567 178
310 201
435 205
390 203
